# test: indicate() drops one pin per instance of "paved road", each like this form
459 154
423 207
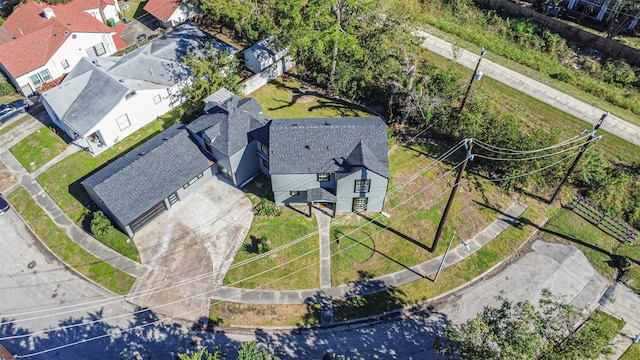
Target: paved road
542 92
563 269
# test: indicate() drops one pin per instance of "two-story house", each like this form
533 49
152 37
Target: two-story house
104 100
40 42
341 163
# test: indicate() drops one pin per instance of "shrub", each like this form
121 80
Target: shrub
266 208
100 224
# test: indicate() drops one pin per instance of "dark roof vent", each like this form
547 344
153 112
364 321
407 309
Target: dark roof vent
326 122
142 153
307 147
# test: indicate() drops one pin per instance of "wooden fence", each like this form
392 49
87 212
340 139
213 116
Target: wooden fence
591 213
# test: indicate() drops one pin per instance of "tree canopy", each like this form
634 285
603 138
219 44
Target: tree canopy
521 331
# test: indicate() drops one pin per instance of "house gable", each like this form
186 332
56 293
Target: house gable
313 146
35 38
145 176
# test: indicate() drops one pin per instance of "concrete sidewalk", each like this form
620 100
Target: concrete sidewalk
623 304
64 223
378 284
535 89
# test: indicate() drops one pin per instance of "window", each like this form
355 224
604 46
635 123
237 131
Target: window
96 50
45 76
324 177
192 181
264 149
123 122
360 204
294 193
35 79
41 77
64 63
157 99
265 163
362 185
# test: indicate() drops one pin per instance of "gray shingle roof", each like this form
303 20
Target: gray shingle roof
230 124
267 51
336 145
109 79
320 194
135 182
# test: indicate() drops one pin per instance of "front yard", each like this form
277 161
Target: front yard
40 147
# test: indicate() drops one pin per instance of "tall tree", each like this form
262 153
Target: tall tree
210 70
520 331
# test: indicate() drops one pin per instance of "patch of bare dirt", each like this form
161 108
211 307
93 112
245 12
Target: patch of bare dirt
7 177
259 314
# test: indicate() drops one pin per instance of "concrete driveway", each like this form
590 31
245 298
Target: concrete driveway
190 248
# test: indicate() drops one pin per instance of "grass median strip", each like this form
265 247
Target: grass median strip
70 252
39 147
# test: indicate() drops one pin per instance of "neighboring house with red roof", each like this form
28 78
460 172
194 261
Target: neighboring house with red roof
40 42
171 12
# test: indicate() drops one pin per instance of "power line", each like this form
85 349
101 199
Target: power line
535 157
502 150
181 283
197 295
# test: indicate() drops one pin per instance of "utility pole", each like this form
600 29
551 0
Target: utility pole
592 135
473 77
468 144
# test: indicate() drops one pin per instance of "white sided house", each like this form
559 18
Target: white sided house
171 12
104 100
39 43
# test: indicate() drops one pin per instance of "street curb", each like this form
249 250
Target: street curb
64 263
378 318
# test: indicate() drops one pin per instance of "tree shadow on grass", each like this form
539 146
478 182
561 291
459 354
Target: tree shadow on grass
614 260
252 247
363 326
394 231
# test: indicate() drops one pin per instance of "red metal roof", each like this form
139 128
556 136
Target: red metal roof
162 9
36 39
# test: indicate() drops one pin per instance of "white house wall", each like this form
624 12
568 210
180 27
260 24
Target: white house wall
183 13
139 108
54 117
72 50
377 191
112 11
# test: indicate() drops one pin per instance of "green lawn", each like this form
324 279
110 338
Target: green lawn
58 242
632 353
135 9
602 328
280 99
62 181
39 147
279 230
450 278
